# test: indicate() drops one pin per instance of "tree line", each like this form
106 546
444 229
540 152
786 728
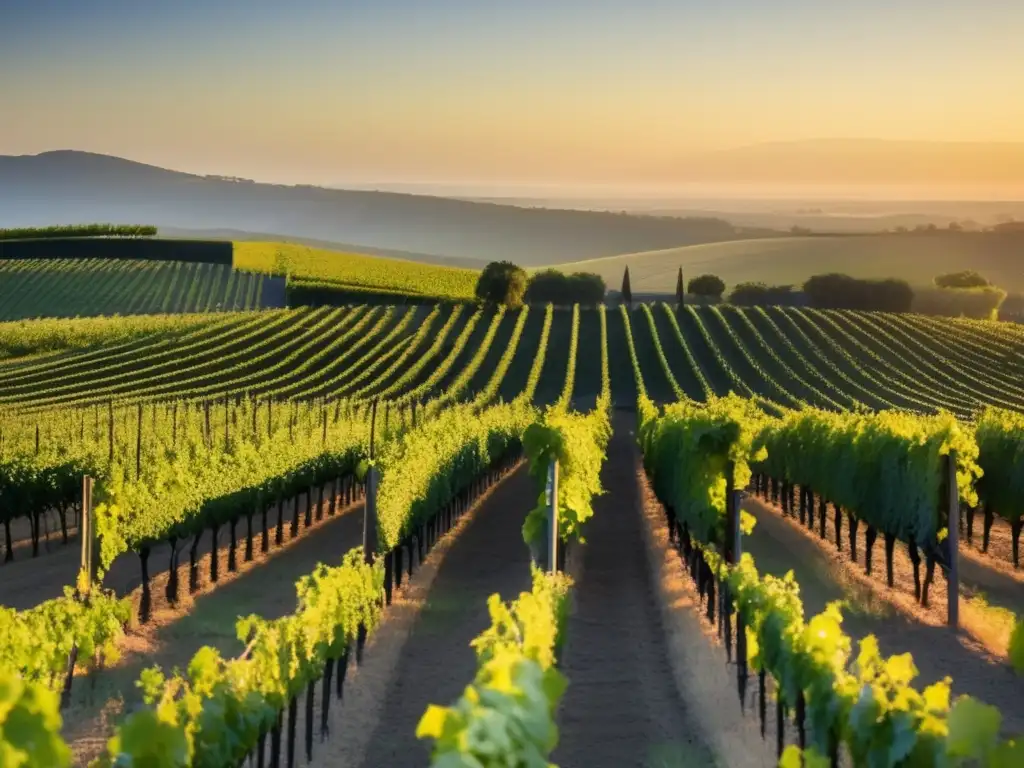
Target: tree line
78 230
964 293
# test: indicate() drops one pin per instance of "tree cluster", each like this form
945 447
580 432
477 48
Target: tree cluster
968 278
706 285
552 286
759 294
503 282
837 291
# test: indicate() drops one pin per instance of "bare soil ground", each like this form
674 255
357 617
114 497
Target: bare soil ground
703 673
779 544
50 537
1000 549
437 663
622 707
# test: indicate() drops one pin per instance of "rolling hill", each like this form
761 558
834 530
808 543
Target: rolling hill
916 258
70 187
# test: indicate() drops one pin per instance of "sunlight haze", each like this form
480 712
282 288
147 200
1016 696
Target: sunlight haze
569 92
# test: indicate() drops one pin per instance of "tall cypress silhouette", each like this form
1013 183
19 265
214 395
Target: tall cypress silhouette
627 293
680 295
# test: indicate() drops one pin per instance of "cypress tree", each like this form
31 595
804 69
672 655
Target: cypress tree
627 293
680 295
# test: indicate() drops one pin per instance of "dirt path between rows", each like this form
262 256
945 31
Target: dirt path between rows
622 707
779 545
437 662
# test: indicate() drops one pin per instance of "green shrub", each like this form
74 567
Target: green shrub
836 291
965 279
759 294
706 285
978 303
502 282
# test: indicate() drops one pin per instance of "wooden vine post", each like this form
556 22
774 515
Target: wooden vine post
110 431
551 529
733 534
138 446
370 507
731 553
87 534
953 540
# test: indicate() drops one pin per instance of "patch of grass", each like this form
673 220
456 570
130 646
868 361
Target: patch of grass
992 625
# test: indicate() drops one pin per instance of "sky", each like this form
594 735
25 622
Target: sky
319 91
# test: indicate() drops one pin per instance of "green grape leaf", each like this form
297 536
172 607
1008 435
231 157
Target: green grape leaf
973 728
1016 649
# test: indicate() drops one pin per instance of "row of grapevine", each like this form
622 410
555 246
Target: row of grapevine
428 476
661 354
493 385
425 468
37 343
942 357
814 393
790 356
457 385
371 356
695 456
30 724
186 375
870 372
407 371
441 369
507 714
70 348
533 379
691 361
847 344
810 358
170 472
885 469
578 442
570 371
221 711
1000 437
45 644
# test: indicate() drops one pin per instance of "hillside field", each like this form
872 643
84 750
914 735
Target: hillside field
31 288
319 267
917 258
72 287
791 357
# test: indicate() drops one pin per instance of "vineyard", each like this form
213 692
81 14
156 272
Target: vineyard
834 360
316 268
32 288
456 535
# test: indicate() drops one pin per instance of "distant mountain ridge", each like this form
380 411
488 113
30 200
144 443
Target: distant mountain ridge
68 186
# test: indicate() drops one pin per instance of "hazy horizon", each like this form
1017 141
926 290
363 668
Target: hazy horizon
496 95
